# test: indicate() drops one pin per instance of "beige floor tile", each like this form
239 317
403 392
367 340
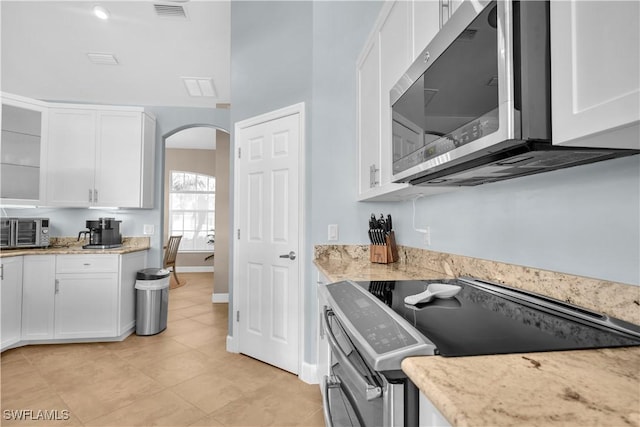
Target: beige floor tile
154 352
209 392
263 407
200 336
182 326
161 409
94 400
51 357
208 421
11 355
24 391
93 373
194 310
175 369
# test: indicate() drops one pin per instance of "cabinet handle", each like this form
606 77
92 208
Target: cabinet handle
86 264
444 17
372 175
90 196
1 271
57 286
95 196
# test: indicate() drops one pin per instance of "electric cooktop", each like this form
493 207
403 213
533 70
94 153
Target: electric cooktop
483 318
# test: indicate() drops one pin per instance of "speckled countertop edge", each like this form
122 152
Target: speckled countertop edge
71 245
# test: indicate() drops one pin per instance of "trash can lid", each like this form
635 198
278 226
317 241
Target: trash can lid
152 274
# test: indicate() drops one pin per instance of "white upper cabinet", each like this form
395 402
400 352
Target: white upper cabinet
23 151
100 156
595 48
71 157
425 24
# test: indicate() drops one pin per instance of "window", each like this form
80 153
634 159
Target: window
192 212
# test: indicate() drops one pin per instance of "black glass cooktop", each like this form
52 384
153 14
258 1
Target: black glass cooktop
483 320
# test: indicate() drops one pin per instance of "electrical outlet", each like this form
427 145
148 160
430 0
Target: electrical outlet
332 232
427 236
148 229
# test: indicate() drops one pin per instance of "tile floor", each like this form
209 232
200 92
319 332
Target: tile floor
181 377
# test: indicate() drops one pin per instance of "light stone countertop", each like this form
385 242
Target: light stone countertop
576 388
71 245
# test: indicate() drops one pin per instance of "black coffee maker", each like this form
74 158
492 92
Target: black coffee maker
103 233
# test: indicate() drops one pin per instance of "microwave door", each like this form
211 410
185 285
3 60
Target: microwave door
6 232
26 233
463 102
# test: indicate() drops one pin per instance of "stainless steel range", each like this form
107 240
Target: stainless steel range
371 329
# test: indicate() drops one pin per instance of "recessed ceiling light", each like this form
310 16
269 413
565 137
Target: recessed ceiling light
101 12
199 86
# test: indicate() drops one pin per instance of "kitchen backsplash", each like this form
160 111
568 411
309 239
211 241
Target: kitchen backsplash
615 299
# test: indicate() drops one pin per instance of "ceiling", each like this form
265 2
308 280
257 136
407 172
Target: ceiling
45 46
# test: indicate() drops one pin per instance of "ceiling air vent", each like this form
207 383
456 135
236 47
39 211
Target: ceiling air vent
170 11
102 58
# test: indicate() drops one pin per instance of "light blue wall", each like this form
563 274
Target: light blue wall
66 222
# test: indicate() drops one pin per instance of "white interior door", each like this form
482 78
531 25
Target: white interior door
267 275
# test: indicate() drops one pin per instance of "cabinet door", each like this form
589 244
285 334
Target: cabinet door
86 305
369 118
130 264
38 292
22 150
425 24
595 67
429 414
324 351
11 295
71 157
118 179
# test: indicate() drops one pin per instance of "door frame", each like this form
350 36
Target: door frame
233 341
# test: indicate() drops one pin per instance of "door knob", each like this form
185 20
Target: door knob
291 255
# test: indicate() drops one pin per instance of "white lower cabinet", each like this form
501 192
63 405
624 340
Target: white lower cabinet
61 298
324 352
38 293
429 414
86 305
11 295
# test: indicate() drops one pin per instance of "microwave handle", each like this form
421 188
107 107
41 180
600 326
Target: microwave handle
371 391
13 233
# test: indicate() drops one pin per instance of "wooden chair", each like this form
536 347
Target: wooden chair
170 254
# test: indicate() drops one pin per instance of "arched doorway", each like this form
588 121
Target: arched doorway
201 153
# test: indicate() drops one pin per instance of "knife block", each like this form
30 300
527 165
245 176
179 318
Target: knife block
384 254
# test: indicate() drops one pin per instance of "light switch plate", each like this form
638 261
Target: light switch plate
332 234
148 229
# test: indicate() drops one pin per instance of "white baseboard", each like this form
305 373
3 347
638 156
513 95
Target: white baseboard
232 345
220 298
309 373
195 269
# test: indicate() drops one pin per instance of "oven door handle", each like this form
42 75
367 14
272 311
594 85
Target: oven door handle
371 391
328 383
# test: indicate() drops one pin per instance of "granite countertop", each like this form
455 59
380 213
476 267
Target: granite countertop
71 245
581 388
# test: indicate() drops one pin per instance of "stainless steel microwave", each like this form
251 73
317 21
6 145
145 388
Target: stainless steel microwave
24 233
475 106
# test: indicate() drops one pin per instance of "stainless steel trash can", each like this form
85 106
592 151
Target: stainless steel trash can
152 298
